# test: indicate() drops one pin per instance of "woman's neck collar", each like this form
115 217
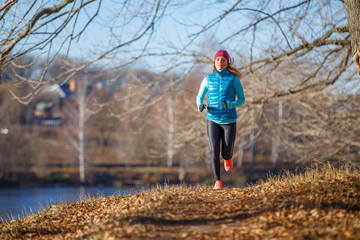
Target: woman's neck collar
221 71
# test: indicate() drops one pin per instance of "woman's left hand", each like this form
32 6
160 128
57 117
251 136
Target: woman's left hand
225 105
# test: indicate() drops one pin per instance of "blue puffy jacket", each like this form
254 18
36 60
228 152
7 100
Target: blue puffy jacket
221 86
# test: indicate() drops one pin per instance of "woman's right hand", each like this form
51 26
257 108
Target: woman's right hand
202 107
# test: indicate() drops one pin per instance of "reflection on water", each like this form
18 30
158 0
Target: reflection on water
15 203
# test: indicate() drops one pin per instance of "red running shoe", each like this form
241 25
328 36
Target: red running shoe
218 185
228 165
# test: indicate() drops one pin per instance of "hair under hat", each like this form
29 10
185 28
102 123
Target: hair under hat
222 53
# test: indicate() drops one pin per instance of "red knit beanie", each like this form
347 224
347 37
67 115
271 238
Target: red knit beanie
222 53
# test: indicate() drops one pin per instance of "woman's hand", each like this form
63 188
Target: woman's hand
202 107
225 105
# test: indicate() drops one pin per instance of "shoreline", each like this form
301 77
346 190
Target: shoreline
136 176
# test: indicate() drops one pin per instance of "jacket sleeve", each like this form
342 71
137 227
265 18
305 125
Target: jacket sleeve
202 92
239 93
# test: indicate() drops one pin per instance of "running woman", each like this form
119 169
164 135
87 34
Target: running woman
221 86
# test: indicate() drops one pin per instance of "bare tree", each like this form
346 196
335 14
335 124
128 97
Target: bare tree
22 21
77 110
298 53
46 30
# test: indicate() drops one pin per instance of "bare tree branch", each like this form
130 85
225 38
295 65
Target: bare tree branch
45 11
303 49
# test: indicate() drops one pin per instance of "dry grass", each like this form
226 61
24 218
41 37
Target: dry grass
321 203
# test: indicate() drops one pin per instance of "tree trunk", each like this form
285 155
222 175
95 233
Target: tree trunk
274 137
352 8
170 133
241 153
81 137
276 134
252 140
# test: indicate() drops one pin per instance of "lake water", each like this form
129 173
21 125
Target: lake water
15 203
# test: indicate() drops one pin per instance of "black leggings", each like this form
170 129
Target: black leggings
224 134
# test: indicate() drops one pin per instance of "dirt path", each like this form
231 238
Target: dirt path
311 206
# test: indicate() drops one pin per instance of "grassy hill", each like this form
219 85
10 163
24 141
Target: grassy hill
321 203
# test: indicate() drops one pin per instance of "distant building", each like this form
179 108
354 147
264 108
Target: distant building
47 107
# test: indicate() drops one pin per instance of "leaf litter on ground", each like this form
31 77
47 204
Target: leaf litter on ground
321 203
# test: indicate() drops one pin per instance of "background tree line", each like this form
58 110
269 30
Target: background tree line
143 119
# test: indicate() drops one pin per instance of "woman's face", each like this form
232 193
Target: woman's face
221 63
